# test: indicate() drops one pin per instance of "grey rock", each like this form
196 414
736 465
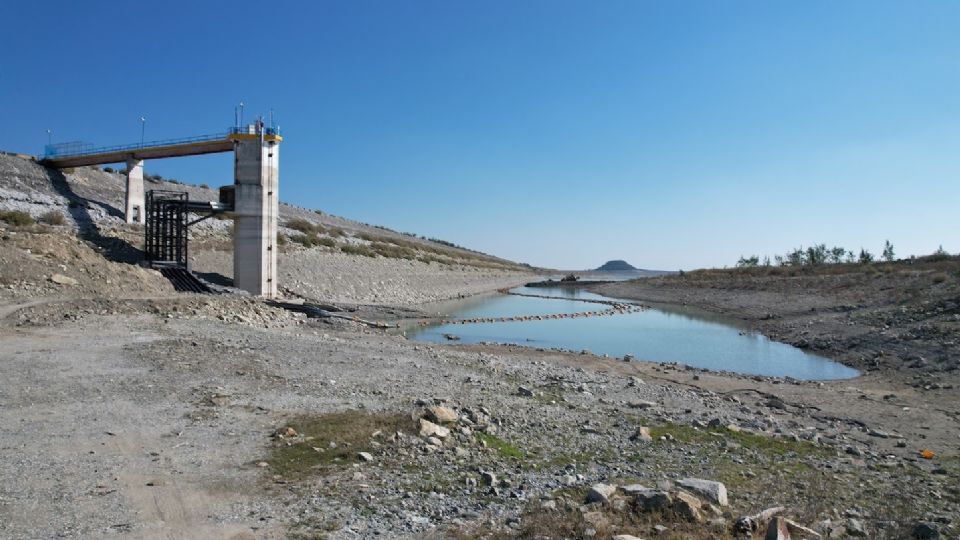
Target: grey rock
855 528
925 530
652 500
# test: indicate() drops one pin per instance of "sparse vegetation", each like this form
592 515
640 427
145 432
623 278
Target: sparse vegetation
304 226
351 249
52 217
503 447
329 441
16 217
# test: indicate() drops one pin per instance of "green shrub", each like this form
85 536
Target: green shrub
52 217
281 239
304 226
16 217
357 250
304 240
326 241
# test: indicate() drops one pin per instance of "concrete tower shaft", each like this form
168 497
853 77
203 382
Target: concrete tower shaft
256 206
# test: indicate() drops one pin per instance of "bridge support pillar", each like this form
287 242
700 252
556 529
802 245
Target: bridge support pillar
256 178
134 208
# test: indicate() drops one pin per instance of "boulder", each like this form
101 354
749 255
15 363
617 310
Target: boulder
687 506
429 429
640 404
365 456
925 530
714 492
651 500
642 434
524 391
442 415
777 530
601 493
632 490
61 279
488 478
855 528
626 537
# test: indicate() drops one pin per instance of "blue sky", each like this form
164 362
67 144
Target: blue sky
563 134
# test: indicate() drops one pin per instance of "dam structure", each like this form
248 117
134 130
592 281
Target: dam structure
252 200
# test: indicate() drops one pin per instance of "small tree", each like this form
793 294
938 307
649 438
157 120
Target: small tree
888 252
817 255
836 255
766 260
796 257
865 256
750 262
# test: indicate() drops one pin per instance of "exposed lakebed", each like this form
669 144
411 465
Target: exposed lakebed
655 335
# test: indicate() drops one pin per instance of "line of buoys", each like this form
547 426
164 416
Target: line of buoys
616 309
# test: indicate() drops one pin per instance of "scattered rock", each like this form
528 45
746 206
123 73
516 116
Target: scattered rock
285 433
626 537
365 456
524 391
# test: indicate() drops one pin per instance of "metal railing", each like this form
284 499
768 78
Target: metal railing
79 148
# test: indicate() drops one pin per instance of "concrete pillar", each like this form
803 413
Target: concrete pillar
134 210
256 178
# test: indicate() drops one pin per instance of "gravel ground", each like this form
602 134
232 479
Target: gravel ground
154 419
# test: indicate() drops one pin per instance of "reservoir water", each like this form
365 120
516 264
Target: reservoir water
654 335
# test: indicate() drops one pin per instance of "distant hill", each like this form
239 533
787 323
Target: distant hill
616 266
